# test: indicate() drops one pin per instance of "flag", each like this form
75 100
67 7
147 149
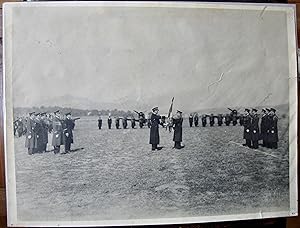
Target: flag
170 109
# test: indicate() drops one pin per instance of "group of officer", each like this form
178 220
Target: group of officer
39 125
267 130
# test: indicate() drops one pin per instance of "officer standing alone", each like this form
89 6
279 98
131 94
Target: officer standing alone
177 126
154 129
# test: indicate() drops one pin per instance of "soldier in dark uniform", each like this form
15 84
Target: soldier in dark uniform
191 120
109 121
39 133
68 132
273 130
234 117
227 119
264 127
20 129
31 140
196 120
57 129
117 122
45 129
241 118
211 120
247 128
99 122
132 122
220 119
204 120
124 122
254 129
177 126
154 129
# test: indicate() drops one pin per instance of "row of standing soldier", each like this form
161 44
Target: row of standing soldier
267 131
38 127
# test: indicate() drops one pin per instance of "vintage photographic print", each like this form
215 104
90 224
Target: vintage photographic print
130 113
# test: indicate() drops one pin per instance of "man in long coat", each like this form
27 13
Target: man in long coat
191 120
177 126
99 122
57 129
204 120
196 120
117 122
220 119
45 130
247 128
254 129
211 120
154 129
68 132
273 130
227 119
31 140
264 127
109 121
39 133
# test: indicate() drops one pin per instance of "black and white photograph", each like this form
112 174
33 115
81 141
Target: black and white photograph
143 113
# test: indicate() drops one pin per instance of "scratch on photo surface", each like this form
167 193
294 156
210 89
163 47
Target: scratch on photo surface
219 80
263 11
265 98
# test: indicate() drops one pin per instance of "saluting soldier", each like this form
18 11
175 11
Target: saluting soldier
57 129
254 129
220 119
109 121
68 132
211 120
117 122
264 127
247 128
196 120
273 130
154 129
227 119
177 126
31 140
204 120
191 120
99 122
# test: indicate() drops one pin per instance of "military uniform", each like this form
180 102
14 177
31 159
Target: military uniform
39 135
196 120
31 140
227 119
109 122
68 134
204 120
58 137
154 129
220 119
99 123
241 118
117 123
211 120
124 122
272 132
247 130
191 120
132 123
254 131
177 126
263 129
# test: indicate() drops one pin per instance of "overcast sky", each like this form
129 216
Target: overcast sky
141 57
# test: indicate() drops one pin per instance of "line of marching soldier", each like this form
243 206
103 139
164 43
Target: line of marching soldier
38 126
267 131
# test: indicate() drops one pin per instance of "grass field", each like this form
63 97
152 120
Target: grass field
117 176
